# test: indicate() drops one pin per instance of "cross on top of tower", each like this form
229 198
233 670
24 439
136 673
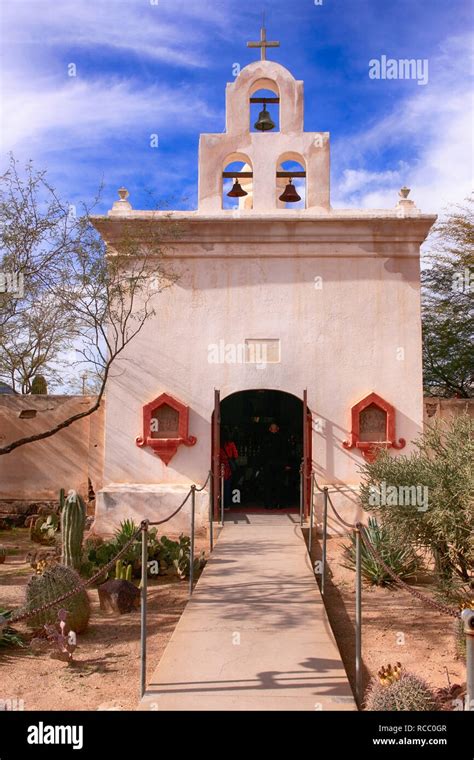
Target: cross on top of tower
264 43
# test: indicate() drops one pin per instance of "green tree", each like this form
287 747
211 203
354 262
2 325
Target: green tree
448 306
426 499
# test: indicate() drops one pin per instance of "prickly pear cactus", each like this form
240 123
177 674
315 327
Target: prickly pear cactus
73 521
54 582
407 692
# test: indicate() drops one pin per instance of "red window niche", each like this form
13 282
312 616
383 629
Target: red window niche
373 427
165 427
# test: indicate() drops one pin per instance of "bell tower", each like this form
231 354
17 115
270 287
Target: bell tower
264 151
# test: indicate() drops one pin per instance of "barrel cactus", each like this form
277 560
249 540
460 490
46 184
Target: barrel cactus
407 692
73 521
54 582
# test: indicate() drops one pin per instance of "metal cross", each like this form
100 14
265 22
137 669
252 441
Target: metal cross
263 44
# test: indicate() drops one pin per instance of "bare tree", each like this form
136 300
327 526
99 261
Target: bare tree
99 302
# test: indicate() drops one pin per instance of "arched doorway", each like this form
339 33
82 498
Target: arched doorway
266 427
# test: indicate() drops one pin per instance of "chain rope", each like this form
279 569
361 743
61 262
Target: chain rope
18 618
360 528
77 589
439 606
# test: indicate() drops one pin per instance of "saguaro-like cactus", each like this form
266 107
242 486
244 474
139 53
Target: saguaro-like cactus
123 572
39 386
73 520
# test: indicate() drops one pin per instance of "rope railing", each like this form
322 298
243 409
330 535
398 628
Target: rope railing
378 558
439 606
361 536
143 530
77 589
144 582
173 514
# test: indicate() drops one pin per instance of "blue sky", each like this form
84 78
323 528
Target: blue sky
145 68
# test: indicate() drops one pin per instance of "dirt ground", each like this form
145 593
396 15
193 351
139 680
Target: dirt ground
396 627
105 673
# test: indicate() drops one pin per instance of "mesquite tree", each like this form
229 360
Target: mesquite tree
448 305
73 292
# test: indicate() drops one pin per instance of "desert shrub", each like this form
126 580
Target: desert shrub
408 692
401 559
445 524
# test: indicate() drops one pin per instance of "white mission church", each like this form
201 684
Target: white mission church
284 311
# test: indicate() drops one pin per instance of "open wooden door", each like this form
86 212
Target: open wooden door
216 446
307 454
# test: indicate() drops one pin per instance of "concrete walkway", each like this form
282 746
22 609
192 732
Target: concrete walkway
255 635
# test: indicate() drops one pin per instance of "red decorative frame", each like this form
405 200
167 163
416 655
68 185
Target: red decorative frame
370 449
165 448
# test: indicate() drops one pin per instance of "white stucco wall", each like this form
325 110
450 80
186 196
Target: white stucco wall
338 289
355 330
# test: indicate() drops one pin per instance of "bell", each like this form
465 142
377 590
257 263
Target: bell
264 122
289 194
237 191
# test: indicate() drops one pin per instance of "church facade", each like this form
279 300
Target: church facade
290 313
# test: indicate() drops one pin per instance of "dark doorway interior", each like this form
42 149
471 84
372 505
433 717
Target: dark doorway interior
267 470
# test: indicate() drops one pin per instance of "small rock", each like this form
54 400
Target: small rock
118 596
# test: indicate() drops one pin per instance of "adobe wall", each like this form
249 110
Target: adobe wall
37 471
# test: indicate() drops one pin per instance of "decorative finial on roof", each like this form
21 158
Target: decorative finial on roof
122 205
405 205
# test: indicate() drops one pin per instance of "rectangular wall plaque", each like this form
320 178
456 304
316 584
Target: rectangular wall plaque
262 351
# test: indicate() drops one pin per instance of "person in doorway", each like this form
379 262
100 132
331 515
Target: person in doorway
228 457
274 454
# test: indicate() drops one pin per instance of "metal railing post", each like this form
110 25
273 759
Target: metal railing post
222 495
211 516
143 606
302 485
191 548
467 617
325 539
311 505
358 618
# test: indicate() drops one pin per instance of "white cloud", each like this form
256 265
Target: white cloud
173 31
82 111
435 122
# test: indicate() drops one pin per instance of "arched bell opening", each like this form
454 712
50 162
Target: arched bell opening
237 183
265 110
291 182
